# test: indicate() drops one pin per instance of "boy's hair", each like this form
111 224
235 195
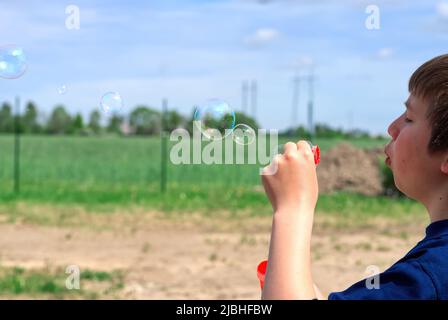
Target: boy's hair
430 82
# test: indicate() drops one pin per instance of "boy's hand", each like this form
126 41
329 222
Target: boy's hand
290 181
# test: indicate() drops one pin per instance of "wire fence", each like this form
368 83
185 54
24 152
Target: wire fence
63 165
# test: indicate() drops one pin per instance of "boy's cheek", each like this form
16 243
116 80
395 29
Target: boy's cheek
400 157
405 146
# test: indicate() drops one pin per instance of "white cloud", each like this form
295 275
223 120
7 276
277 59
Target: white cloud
385 53
262 37
149 52
442 9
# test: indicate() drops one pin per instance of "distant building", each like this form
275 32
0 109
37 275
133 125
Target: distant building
125 128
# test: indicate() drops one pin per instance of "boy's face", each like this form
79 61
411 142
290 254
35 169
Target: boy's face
416 173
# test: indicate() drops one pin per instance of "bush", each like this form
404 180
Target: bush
387 178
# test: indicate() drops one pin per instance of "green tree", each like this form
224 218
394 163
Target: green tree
298 132
242 118
29 119
358 133
78 123
6 119
94 121
60 121
145 120
325 131
174 120
114 125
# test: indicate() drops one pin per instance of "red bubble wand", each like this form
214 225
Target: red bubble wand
262 266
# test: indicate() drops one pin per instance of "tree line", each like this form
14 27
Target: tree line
142 120
322 130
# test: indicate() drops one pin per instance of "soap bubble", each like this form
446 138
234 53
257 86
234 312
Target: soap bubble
243 134
111 103
215 119
12 62
62 89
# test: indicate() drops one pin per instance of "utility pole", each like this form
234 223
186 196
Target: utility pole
311 103
295 100
254 93
244 97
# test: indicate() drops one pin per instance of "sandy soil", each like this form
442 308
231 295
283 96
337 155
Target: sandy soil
193 259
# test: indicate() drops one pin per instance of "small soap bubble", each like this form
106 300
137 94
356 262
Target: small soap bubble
12 62
243 134
215 119
111 103
62 89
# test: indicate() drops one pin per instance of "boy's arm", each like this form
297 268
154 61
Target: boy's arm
319 294
288 275
291 185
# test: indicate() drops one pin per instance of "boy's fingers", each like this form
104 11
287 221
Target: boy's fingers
267 171
305 146
290 146
276 162
290 149
272 168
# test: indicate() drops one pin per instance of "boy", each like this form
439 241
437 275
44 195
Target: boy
418 157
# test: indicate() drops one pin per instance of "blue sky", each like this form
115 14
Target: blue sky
190 51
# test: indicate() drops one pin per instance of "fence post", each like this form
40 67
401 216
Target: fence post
17 146
164 145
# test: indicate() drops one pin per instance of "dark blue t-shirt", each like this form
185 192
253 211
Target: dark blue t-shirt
421 274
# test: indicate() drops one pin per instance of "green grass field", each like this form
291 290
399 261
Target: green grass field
116 171
17 282
113 183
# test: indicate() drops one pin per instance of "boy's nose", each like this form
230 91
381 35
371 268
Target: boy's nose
393 130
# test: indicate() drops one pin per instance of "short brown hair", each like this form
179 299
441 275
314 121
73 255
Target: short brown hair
430 82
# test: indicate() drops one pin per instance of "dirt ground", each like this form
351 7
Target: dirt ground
198 258
351 169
